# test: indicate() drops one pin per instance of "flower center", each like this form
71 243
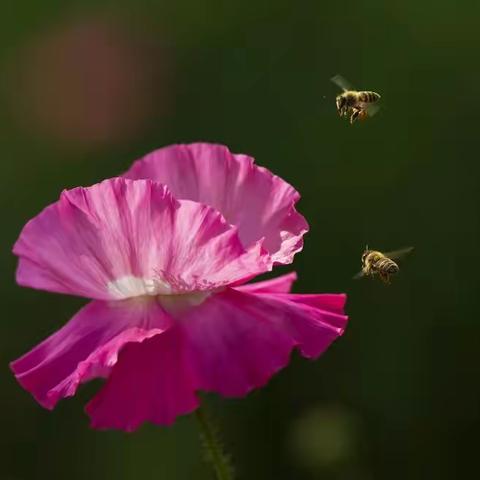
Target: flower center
182 302
129 286
169 298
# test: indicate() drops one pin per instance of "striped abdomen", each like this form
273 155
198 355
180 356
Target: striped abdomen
386 266
368 97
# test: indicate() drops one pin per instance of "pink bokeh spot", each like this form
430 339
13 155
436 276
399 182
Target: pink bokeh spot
165 258
90 80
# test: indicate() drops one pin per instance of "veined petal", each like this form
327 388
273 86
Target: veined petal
313 320
236 340
87 347
259 203
282 284
230 344
151 382
123 238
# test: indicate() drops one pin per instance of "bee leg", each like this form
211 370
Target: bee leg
363 115
356 112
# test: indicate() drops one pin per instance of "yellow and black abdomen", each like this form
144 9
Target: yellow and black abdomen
386 266
368 97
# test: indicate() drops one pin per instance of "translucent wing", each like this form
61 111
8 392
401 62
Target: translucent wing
372 110
398 254
342 83
359 275
367 112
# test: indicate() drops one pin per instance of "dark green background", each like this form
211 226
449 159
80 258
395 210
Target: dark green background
398 396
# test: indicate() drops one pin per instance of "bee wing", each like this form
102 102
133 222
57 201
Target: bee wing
359 275
342 83
372 109
398 254
369 110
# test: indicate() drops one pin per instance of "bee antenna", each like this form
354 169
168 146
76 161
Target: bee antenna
366 248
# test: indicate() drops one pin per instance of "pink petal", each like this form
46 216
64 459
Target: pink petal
314 320
236 341
151 382
230 344
282 284
86 347
123 238
261 204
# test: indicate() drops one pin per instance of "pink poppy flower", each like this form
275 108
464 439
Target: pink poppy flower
165 256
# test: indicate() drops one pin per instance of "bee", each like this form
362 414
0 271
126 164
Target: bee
356 104
381 264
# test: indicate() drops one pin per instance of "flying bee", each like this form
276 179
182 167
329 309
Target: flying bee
356 104
381 264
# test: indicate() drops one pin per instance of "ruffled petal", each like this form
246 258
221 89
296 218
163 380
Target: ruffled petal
151 382
314 320
230 344
123 238
282 284
236 340
87 347
259 203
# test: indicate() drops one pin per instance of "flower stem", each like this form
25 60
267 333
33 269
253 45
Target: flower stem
212 446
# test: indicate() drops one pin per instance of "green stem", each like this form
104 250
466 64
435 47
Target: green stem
214 453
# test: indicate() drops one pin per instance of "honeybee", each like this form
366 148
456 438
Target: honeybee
356 104
381 264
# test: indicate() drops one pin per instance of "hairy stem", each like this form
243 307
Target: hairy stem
212 446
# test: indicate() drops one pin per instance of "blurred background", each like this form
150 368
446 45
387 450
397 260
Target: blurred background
87 87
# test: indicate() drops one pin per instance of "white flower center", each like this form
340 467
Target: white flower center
171 300
130 286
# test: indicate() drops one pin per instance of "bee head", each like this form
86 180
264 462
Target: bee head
341 100
365 254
